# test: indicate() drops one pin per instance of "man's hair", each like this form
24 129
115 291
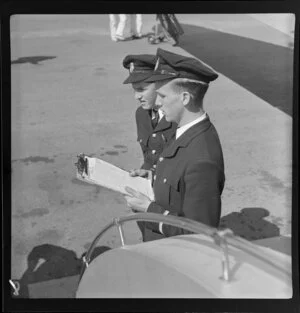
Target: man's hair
160 83
195 88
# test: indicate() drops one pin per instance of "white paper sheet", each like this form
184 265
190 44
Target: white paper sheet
112 177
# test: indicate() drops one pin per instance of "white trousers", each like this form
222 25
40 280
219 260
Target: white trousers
118 29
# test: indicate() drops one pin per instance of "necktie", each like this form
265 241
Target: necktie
154 118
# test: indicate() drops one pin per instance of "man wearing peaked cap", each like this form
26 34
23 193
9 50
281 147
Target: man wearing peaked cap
153 131
140 67
170 65
152 138
189 178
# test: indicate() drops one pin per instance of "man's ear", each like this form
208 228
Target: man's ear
186 98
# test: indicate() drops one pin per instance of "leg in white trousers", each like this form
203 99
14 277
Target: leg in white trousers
121 26
136 25
113 26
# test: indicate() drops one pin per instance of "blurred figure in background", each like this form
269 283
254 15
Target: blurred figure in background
171 28
117 28
136 24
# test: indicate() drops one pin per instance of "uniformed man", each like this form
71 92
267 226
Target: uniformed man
190 177
153 131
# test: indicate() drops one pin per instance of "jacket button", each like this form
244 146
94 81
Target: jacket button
153 151
160 159
165 180
154 135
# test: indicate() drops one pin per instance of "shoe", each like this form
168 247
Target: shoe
176 43
136 36
113 38
120 38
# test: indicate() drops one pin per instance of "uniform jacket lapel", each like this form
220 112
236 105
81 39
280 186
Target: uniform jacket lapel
145 126
186 137
145 119
162 125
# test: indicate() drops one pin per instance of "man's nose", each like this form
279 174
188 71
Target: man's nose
158 101
137 96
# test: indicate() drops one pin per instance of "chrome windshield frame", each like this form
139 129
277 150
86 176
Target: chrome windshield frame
222 238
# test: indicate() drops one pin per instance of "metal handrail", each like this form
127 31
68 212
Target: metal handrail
221 237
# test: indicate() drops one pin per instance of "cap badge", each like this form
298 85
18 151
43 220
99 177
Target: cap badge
168 73
156 64
131 67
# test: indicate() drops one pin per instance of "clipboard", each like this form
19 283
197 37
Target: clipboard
102 173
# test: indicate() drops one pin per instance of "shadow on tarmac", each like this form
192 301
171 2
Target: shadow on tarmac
58 262
264 69
249 223
32 60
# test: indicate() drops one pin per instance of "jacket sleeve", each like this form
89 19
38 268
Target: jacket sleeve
201 198
147 166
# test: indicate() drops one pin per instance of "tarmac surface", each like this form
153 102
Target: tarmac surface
68 98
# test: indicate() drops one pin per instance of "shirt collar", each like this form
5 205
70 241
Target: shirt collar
184 128
160 114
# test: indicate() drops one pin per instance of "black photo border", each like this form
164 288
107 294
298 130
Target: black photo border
10 304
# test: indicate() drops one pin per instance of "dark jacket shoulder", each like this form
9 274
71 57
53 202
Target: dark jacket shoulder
141 113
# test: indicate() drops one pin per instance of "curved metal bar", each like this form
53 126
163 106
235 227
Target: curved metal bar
220 237
225 261
120 229
93 244
221 241
16 287
250 248
181 222
154 217
254 250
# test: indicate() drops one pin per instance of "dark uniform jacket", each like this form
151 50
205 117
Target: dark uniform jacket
152 141
189 180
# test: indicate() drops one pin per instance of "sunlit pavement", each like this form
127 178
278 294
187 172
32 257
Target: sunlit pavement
70 99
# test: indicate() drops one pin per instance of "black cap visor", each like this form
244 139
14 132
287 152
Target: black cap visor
137 77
